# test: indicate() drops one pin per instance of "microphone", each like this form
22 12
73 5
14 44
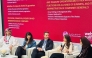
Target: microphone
62 46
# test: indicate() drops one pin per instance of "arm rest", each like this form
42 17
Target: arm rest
29 52
47 53
76 50
50 52
13 50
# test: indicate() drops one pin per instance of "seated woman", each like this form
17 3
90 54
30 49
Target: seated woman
86 51
67 47
28 43
8 41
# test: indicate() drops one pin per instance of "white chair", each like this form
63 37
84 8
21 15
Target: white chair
50 52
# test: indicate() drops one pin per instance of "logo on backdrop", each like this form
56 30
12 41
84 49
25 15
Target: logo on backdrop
65 33
71 34
89 35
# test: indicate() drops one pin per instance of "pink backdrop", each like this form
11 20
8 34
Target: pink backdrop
40 22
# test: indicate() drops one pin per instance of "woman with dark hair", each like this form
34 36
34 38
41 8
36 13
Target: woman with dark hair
67 47
86 51
28 43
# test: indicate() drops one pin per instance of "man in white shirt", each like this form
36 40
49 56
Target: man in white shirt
8 41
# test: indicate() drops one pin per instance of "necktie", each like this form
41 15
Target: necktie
44 45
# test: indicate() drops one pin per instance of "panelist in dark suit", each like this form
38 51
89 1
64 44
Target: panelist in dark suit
44 45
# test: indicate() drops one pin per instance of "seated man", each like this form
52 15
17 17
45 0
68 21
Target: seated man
8 41
44 45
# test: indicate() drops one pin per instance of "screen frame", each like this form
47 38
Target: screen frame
2 17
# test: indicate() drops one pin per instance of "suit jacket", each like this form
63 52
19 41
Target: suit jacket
31 44
49 44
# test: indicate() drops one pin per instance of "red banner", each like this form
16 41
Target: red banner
59 17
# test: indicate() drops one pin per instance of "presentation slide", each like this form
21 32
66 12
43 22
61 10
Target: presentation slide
59 17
